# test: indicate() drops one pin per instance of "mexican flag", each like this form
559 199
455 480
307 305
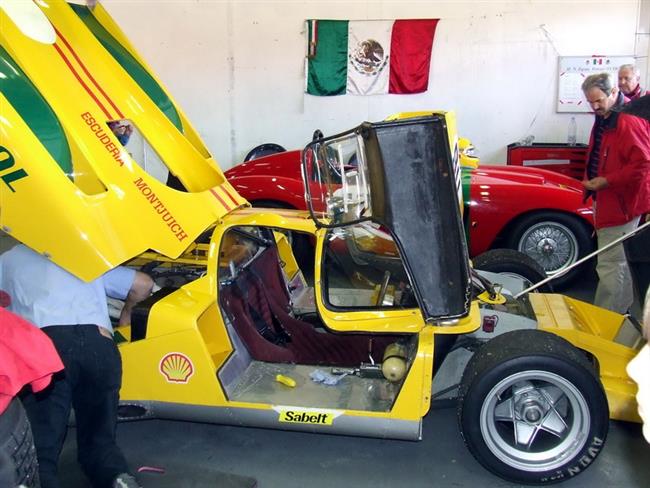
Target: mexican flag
369 57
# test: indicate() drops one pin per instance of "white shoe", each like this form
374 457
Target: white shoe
125 480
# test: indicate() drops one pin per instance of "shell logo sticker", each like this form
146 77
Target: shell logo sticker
176 367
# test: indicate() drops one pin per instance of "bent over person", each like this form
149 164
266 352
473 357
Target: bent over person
74 314
618 177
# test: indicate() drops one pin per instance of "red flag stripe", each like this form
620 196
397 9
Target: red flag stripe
314 37
81 82
314 31
410 55
90 76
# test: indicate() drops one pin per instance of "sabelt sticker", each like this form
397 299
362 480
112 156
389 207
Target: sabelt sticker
297 415
176 367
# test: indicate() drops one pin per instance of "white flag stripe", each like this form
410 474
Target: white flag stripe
457 171
368 57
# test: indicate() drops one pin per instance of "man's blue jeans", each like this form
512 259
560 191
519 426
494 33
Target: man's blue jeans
90 383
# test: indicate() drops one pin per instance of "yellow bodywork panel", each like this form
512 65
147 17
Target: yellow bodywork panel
177 358
415 397
288 263
463 325
378 321
192 178
187 343
593 330
101 206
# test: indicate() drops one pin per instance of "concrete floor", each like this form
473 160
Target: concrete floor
206 456
280 459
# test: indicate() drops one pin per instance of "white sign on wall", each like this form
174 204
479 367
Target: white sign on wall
573 70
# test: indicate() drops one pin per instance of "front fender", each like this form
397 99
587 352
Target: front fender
601 334
494 206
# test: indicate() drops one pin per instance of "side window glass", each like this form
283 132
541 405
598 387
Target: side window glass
238 247
363 269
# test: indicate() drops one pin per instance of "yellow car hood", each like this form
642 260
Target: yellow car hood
68 188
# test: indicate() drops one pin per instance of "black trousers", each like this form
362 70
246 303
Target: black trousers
90 383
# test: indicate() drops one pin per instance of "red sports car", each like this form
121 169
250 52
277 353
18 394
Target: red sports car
538 212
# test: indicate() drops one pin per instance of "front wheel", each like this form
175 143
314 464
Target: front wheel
531 408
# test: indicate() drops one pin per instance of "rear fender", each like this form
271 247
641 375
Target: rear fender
606 336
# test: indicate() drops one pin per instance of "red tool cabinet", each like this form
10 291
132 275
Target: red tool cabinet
562 158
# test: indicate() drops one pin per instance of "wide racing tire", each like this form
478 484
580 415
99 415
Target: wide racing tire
512 263
531 408
17 452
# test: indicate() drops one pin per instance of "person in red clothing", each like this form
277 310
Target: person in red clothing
618 177
629 78
27 357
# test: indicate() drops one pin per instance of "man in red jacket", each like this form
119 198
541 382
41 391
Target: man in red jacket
618 177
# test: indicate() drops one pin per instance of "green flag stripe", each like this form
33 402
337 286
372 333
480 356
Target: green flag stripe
466 178
34 110
327 70
139 74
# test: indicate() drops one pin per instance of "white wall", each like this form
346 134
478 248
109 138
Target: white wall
642 42
237 67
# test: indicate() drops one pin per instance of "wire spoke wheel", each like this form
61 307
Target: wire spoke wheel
555 240
553 245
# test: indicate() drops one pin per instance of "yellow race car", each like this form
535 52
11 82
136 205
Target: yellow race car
237 333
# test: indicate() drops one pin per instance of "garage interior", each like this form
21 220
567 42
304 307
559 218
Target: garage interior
237 69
